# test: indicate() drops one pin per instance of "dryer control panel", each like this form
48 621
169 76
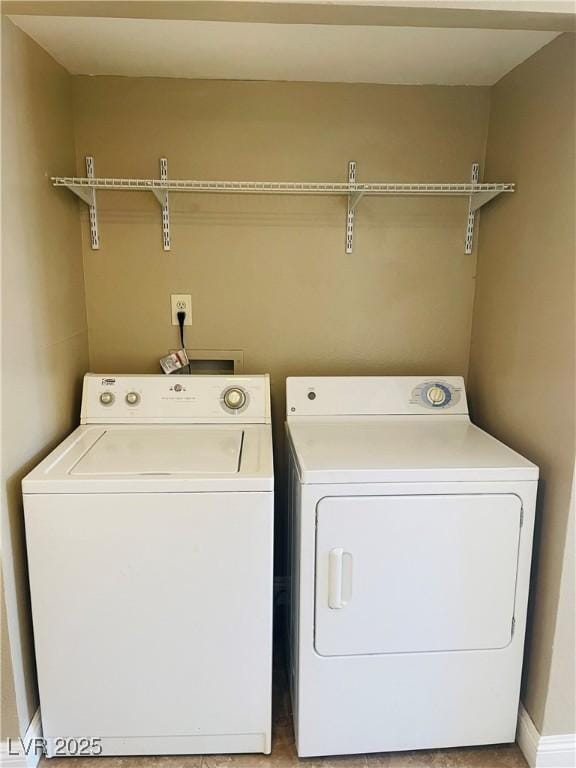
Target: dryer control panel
375 396
436 393
161 399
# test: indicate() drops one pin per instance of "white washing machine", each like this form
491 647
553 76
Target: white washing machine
150 540
411 539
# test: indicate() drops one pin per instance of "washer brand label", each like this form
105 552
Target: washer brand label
108 382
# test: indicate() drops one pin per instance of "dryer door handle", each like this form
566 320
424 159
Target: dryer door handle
339 578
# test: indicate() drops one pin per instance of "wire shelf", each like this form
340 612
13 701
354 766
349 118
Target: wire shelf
85 188
279 187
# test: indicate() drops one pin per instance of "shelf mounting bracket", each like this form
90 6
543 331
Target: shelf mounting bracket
88 195
353 200
472 208
162 196
478 199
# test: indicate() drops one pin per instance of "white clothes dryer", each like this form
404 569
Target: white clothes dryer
411 539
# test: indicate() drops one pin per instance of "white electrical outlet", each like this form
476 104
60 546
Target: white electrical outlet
181 302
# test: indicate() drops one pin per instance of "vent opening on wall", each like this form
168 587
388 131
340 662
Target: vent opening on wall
210 362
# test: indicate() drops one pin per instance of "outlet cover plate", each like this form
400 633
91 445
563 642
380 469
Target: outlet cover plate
179 302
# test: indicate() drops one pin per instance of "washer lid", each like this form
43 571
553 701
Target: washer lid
158 451
177 458
388 449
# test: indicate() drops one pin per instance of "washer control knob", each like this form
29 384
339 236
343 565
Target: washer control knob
234 398
106 398
436 395
132 398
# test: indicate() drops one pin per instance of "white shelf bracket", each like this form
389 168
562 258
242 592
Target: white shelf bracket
89 197
472 208
84 193
353 200
478 199
162 196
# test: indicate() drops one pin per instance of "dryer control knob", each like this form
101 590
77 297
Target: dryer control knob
132 398
436 395
234 398
106 398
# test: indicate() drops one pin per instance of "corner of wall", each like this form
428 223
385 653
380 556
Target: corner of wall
37 406
523 325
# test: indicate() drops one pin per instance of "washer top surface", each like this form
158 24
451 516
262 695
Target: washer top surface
176 458
169 459
392 429
165 434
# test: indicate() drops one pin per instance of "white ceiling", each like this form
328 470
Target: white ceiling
297 52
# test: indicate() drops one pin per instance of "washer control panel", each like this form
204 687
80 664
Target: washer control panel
436 393
174 399
132 398
107 398
235 399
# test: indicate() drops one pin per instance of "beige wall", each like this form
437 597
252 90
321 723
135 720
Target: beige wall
44 344
561 699
8 710
522 367
269 275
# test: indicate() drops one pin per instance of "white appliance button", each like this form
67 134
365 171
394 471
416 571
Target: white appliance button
106 398
132 398
234 398
436 395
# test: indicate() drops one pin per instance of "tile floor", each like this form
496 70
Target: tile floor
284 753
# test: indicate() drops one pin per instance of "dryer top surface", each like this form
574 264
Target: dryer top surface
402 450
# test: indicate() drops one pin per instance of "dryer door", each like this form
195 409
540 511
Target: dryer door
404 574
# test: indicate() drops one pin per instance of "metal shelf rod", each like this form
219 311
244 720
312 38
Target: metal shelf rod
279 187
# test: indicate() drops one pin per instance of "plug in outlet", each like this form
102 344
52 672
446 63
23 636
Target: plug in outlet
181 302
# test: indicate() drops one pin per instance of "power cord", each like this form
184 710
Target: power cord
181 317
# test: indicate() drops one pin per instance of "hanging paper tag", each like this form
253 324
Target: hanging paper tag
174 361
